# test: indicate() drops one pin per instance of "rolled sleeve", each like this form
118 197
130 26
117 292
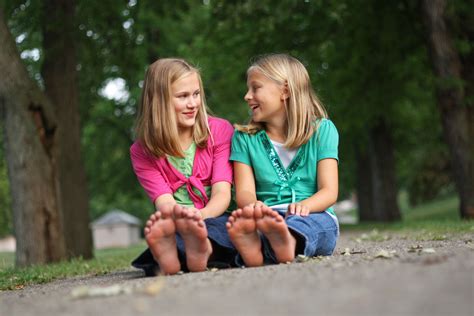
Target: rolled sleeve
221 167
147 172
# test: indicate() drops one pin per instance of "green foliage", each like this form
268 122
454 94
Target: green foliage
367 61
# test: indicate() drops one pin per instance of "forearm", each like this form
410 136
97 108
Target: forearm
244 198
164 201
321 200
218 203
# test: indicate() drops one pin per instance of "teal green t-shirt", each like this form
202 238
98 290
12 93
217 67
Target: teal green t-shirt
276 184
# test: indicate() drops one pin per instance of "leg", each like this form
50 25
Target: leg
243 233
223 251
192 229
273 226
160 236
317 232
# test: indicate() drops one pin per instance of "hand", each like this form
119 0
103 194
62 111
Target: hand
256 204
297 209
195 213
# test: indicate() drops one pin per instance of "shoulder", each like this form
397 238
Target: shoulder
136 147
324 125
245 137
217 123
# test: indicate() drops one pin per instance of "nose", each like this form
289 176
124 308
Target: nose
248 96
192 102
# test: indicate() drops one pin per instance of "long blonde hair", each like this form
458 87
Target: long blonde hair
303 107
156 126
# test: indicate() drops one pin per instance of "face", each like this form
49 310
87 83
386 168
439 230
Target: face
186 100
265 98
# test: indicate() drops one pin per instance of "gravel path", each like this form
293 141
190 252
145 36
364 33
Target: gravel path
369 274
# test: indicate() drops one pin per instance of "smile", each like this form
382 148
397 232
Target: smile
253 107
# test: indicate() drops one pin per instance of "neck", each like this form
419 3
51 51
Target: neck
185 138
276 131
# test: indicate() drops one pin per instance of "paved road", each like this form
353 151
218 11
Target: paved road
398 276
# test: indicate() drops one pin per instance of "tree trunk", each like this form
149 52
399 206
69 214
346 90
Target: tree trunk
453 94
376 178
364 186
59 74
30 134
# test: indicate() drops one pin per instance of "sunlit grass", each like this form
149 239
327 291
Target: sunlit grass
434 218
105 261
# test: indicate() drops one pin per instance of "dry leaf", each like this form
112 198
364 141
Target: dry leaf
385 254
155 287
87 291
301 258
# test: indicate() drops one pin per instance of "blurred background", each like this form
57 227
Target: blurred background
373 64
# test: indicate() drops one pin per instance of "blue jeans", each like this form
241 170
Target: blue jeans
316 235
223 251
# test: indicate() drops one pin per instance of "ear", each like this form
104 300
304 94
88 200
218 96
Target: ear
285 92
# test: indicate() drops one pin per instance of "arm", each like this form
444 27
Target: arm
219 201
245 191
164 201
328 186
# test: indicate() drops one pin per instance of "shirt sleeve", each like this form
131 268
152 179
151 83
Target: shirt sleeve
147 172
221 166
240 150
327 140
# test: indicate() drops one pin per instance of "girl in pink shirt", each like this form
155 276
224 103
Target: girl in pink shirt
181 159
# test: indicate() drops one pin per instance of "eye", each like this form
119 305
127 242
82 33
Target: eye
196 94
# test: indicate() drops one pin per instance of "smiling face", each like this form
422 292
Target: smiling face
265 98
186 100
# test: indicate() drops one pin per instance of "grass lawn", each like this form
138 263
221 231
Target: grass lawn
105 261
440 216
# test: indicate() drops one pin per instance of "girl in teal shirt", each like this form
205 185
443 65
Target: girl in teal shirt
285 168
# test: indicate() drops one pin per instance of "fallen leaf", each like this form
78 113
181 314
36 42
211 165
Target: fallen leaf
385 254
88 291
428 250
346 252
415 248
301 258
154 287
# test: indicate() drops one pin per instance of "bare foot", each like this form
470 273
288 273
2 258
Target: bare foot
273 226
160 237
193 230
243 234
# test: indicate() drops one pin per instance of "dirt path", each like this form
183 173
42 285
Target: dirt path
383 275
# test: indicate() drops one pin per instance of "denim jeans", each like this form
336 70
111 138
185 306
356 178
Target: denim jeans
223 251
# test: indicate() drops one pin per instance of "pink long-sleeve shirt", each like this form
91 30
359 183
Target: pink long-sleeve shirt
211 164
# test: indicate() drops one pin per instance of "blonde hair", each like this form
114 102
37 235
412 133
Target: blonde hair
156 126
303 107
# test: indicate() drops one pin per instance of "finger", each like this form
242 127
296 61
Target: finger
305 211
291 209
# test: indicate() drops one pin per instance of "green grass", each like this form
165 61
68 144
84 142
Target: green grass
105 261
434 218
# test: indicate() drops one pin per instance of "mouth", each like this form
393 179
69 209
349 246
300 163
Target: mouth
253 107
189 114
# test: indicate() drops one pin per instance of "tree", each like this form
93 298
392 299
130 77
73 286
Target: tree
60 224
30 136
455 91
59 74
